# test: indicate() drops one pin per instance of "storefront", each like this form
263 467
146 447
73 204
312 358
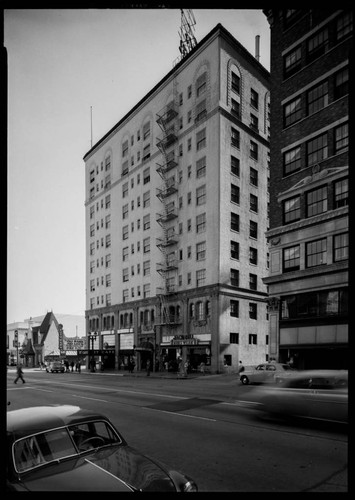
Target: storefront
195 349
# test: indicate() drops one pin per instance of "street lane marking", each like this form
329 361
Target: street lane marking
93 399
180 414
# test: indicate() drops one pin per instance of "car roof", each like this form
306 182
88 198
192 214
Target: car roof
35 419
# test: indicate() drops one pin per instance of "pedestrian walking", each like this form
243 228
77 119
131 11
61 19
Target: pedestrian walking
241 367
202 367
19 375
148 368
72 366
66 363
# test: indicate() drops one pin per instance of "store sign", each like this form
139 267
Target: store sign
184 340
95 352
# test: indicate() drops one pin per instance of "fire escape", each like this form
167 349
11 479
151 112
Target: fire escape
167 143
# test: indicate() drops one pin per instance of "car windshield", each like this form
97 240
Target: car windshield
45 447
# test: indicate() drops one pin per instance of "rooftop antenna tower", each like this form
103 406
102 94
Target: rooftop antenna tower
187 37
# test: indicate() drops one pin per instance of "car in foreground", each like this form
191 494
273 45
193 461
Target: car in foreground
66 448
55 366
310 394
264 373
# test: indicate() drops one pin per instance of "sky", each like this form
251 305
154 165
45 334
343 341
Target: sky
61 65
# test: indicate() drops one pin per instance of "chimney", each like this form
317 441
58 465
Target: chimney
257 48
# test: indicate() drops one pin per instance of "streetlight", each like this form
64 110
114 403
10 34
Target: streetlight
92 337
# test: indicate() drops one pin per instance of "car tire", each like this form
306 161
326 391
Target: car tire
244 380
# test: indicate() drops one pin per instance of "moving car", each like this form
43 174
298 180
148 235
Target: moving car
263 373
55 366
311 394
66 448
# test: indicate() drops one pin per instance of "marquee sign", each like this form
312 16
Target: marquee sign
184 340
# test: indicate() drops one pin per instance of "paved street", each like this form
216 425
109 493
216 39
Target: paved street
204 426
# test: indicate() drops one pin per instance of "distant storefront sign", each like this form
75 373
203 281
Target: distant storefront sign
184 340
95 352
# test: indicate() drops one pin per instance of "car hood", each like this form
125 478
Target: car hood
120 469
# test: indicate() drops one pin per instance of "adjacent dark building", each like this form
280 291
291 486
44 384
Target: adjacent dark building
309 189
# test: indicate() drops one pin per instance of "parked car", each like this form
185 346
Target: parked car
264 373
66 448
311 394
55 366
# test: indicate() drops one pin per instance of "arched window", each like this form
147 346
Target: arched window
172 313
130 319
146 317
208 308
199 312
141 315
178 311
121 321
192 310
105 323
152 316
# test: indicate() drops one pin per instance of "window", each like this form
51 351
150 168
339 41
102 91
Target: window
201 84
341 247
234 338
200 277
146 152
92 211
253 229
234 308
107 163
235 83
341 138
92 230
317 202
253 177
125 211
201 139
189 252
189 91
317 98
344 25
316 253
291 210
317 149
146 245
253 310
146 222
234 222
201 168
235 138
189 116
341 193
200 223
253 150
108 241
235 108
146 176
254 122
125 274
234 249
253 255
253 281
235 166
291 259
125 253
292 112
146 199
201 251
125 190
125 232
235 194
292 62
292 160
124 149
146 131
253 203
108 201
201 111
146 268
180 150
341 83
201 195
146 290
199 311
254 98
108 221
253 339
317 45
315 304
234 277
189 142
108 260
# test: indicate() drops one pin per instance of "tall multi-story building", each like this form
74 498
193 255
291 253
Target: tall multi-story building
176 214
309 150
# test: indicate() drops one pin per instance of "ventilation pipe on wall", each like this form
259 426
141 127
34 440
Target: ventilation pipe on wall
257 48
